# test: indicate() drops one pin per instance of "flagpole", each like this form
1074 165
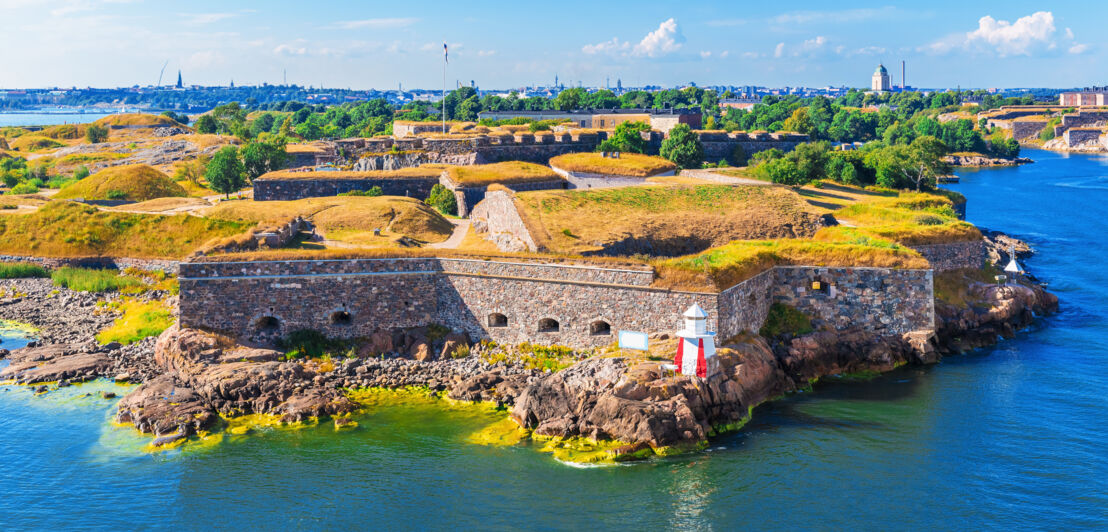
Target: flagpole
444 52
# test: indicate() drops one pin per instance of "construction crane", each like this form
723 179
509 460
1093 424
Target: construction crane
162 73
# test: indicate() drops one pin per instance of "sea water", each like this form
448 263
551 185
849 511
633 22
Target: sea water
1011 436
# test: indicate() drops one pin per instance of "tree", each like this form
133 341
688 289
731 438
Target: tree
207 124
442 199
782 171
1005 148
95 134
682 147
264 156
627 138
225 171
570 99
191 171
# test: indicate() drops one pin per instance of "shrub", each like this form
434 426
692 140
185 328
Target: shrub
683 147
86 280
783 319
373 192
442 199
305 343
20 270
24 188
116 195
95 134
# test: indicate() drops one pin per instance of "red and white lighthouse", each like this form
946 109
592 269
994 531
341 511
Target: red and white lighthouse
696 348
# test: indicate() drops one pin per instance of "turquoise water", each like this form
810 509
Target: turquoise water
28 118
1008 437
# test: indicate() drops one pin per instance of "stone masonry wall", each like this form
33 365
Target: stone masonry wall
954 256
293 189
469 197
882 301
498 216
1027 129
510 302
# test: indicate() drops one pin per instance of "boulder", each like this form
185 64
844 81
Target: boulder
454 342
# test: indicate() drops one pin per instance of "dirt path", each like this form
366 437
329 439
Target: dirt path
709 175
461 227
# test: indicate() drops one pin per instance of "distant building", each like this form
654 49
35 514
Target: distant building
745 104
659 119
881 81
1092 96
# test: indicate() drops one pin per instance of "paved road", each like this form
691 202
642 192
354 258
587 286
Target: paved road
461 227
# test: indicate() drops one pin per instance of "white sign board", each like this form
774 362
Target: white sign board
634 340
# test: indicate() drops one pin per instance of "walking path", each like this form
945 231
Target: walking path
461 227
709 175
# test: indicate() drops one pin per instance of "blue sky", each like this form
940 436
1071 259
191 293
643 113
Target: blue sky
511 44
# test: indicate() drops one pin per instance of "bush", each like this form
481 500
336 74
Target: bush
24 188
683 147
116 195
95 134
86 280
373 192
442 199
21 270
783 319
306 343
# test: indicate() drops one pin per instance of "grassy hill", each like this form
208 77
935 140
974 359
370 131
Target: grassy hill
138 119
509 172
673 219
628 164
66 229
135 182
34 143
346 219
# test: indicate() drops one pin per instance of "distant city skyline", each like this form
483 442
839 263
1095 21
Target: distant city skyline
345 44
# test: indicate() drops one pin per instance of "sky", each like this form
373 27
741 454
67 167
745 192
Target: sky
502 45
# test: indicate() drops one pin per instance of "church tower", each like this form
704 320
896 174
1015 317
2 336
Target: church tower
881 81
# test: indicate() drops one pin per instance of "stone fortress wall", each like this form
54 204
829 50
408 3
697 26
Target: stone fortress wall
512 302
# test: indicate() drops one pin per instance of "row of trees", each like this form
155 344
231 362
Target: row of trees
900 166
231 168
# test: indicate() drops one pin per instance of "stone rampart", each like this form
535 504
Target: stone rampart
954 255
1027 129
576 305
277 189
1079 136
880 300
469 197
499 216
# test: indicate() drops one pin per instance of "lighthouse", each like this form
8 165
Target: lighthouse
696 347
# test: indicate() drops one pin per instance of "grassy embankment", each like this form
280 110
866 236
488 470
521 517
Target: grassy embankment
136 182
510 172
582 221
628 164
347 219
886 224
65 229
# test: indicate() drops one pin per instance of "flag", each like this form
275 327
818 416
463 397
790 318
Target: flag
445 54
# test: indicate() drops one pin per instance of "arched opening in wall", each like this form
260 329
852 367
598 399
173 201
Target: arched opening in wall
267 324
498 320
548 325
820 286
600 328
340 317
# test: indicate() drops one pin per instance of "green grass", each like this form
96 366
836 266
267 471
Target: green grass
140 319
86 280
20 270
783 319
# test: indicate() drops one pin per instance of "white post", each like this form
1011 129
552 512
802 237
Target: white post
444 88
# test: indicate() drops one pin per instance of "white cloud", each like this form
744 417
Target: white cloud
486 53
724 54
206 18
664 40
376 23
779 50
751 55
288 49
606 47
1079 48
1029 34
704 54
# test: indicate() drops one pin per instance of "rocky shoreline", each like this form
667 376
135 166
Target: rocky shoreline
189 378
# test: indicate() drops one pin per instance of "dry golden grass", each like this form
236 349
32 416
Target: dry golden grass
66 229
35 143
628 164
137 119
505 173
305 148
348 219
425 171
582 221
23 200
163 205
65 131
75 159
135 182
725 266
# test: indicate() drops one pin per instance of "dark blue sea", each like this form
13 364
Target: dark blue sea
1010 437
